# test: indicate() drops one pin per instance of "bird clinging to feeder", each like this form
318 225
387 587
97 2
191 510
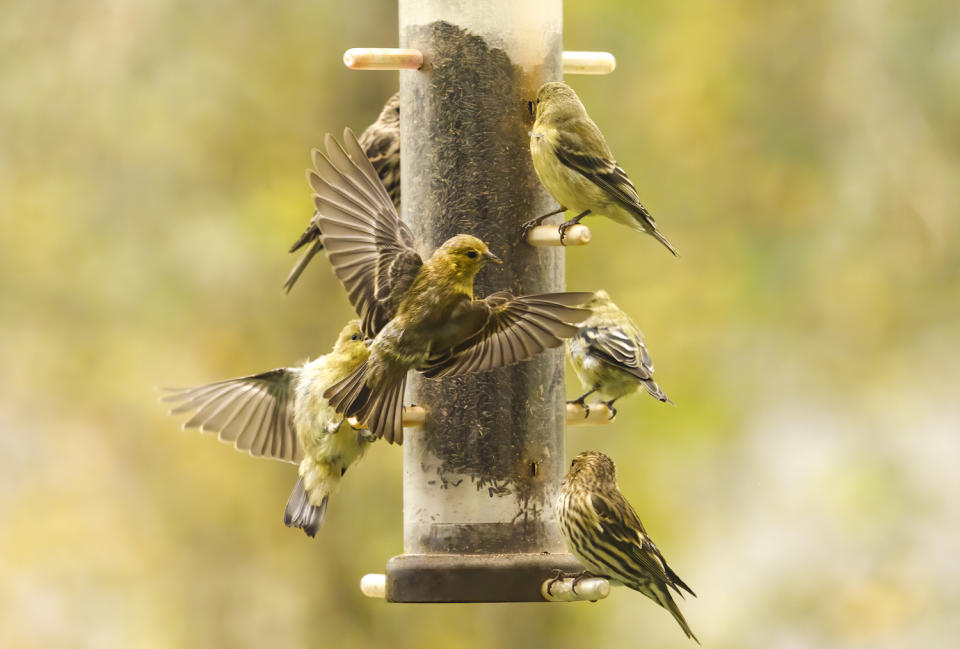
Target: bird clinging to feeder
604 532
576 166
282 414
610 357
422 314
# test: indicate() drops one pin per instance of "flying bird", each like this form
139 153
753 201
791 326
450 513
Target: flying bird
421 314
574 163
604 532
610 357
282 414
381 144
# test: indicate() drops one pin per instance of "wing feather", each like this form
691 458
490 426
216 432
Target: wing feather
254 412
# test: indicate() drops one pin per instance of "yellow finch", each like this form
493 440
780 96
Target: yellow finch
422 314
381 144
577 167
282 414
609 355
604 532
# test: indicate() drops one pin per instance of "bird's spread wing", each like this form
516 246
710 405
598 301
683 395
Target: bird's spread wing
372 251
617 347
511 329
600 168
254 412
623 527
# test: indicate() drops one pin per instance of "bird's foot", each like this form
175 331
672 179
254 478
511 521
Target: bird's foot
566 225
613 411
557 576
583 404
578 577
532 223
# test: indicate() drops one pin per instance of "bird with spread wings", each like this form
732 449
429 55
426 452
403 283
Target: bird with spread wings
421 314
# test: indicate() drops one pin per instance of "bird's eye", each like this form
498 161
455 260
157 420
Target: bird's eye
472 254
573 464
355 337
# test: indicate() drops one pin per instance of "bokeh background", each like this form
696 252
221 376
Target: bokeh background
802 156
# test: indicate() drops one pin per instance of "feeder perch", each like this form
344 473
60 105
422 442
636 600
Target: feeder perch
481 475
549 235
395 58
589 589
598 413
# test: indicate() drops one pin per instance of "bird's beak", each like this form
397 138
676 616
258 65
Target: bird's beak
492 257
368 342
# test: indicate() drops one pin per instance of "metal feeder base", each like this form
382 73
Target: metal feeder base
447 578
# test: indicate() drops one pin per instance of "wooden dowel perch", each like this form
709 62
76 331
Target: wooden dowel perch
413 417
589 589
599 414
375 586
394 58
588 63
549 235
382 58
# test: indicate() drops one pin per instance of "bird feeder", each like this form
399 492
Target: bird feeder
481 474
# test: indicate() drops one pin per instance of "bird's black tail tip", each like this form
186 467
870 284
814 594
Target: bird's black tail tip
300 513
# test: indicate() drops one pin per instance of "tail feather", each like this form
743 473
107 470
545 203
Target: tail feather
654 390
659 593
300 513
379 410
303 261
644 221
662 239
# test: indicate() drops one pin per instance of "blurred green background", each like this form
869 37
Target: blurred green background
802 156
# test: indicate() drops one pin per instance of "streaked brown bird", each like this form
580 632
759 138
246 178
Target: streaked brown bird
604 532
282 414
422 314
381 144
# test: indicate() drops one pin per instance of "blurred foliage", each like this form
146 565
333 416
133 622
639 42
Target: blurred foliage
802 156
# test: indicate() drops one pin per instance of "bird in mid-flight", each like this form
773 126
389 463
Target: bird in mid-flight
604 532
282 414
422 314
381 144
576 166
609 355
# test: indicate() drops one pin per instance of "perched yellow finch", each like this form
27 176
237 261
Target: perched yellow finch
609 355
282 414
422 314
577 167
381 144
604 532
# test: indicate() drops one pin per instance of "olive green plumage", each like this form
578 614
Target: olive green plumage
282 414
604 532
421 314
609 355
381 144
576 166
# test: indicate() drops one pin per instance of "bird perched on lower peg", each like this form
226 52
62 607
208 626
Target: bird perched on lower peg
381 144
574 163
282 414
604 532
421 314
610 357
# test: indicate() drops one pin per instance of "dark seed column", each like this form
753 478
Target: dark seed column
481 476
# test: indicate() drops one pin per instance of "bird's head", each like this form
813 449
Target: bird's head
593 467
557 102
463 256
390 115
351 341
